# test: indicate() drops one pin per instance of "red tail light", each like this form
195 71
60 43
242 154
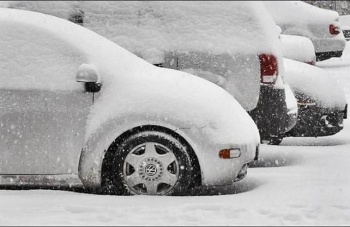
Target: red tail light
268 68
333 29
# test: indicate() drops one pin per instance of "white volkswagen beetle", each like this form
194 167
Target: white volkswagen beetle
77 109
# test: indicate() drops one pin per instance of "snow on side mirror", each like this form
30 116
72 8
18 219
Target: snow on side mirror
88 73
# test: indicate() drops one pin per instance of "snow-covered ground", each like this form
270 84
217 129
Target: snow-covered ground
304 181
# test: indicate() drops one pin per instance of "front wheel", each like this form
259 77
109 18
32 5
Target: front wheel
150 163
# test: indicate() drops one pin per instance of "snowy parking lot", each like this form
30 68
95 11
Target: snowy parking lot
304 181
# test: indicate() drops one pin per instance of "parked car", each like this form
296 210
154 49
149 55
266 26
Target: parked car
200 38
320 110
344 21
77 109
322 105
320 25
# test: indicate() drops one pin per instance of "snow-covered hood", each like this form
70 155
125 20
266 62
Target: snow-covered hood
131 85
315 83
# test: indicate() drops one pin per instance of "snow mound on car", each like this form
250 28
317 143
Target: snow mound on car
298 12
298 48
315 83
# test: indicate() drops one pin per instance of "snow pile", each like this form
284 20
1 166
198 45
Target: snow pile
298 48
315 83
131 86
298 12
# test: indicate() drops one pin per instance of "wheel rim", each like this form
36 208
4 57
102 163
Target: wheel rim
151 169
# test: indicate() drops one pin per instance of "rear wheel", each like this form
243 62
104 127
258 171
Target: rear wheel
150 163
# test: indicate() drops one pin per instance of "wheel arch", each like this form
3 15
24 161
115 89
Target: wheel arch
114 145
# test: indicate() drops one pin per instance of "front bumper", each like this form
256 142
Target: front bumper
216 171
315 121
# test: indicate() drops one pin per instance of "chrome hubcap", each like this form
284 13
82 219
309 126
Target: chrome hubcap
151 169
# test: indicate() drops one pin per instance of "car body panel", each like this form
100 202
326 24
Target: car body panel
271 113
42 132
316 121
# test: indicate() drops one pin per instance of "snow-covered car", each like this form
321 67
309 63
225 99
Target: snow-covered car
320 25
77 109
322 105
201 38
316 116
344 21
196 37
298 48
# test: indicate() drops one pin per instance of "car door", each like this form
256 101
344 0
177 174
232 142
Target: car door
43 110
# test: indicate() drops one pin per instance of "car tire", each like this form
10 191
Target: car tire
150 163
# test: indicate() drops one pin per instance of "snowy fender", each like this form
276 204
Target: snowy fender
147 163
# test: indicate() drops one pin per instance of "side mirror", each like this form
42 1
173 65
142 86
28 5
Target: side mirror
88 73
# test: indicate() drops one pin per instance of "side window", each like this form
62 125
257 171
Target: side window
32 58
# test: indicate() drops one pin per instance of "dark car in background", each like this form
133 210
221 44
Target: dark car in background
321 102
322 105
